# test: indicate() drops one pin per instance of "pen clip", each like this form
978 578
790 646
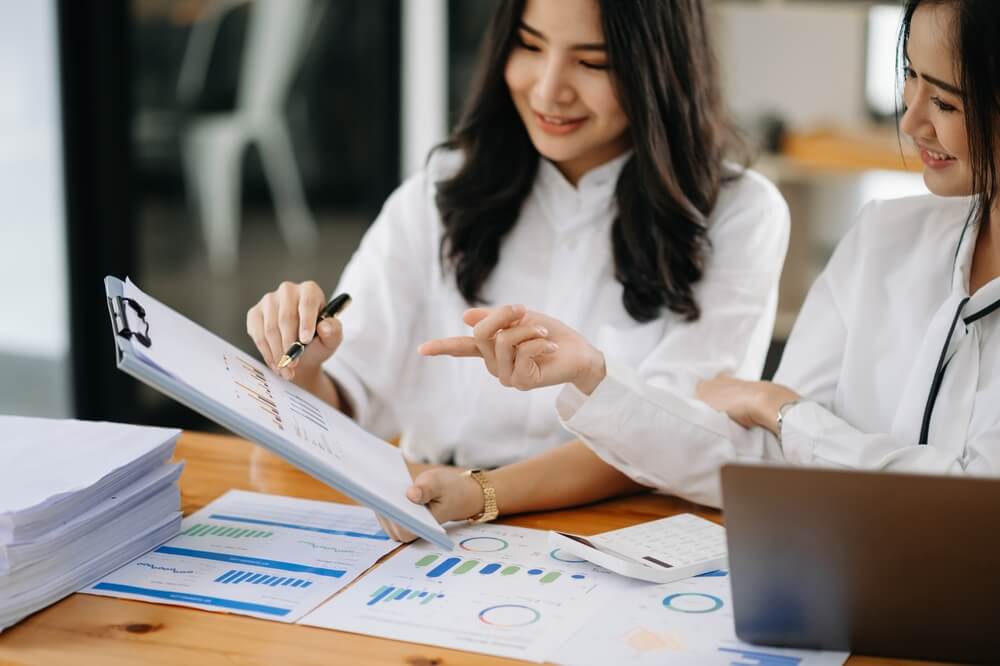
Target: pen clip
120 312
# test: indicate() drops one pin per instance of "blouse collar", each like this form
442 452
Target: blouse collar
989 293
564 203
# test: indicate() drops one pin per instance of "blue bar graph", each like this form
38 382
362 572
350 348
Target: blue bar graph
752 658
388 593
443 568
489 568
236 576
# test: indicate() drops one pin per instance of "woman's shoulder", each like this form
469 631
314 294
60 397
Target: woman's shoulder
748 203
914 235
418 190
746 190
910 222
443 163
744 186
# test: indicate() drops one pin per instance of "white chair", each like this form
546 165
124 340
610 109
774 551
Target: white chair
212 145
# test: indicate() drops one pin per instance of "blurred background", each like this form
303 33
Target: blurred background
211 148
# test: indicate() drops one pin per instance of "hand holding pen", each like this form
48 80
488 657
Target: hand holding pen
293 329
336 305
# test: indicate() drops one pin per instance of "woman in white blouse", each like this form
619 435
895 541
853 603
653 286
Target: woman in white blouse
585 179
894 362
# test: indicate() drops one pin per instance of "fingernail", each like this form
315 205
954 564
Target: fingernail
305 335
542 331
552 347
419 496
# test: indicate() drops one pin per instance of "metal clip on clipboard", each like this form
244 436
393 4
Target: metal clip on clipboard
119 314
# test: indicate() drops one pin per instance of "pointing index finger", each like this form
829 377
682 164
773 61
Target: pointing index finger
458 347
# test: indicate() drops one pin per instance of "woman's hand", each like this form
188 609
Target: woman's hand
748 403
524 349
448 492
286 315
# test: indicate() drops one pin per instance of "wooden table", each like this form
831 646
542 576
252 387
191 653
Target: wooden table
103 631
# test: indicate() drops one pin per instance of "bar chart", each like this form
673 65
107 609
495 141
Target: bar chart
389 593
457 566
235 576
306 410
208 529
251 383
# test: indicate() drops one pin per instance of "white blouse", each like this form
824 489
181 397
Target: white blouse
557 260
870 340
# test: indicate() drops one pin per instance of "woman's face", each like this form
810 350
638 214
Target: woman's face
558 78
935 114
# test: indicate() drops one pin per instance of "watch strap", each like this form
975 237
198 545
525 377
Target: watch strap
782 412
489 511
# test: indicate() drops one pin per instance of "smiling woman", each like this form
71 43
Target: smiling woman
586 178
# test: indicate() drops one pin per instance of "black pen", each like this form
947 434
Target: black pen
336 305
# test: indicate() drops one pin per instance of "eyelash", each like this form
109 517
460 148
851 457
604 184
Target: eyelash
534 49
944 107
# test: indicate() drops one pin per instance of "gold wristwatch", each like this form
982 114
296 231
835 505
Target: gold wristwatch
489 511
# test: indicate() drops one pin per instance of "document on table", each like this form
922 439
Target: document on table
686 622
253 554
504 592
231 387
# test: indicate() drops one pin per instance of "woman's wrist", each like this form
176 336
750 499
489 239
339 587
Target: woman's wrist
769 402
593 372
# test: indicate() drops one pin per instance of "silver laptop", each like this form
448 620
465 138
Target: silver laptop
879 564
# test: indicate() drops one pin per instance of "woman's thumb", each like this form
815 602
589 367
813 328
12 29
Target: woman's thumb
418 494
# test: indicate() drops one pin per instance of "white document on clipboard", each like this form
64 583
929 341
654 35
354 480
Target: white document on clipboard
174 355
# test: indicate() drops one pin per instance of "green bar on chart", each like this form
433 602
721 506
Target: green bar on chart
465 567
549 577
512 569
425 560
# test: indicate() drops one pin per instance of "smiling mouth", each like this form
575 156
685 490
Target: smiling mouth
556 120
935 155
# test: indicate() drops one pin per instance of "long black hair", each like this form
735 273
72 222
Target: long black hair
664 71
975 40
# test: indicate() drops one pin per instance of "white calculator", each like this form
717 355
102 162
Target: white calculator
660 551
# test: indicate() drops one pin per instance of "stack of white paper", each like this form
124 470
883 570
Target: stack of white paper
78 499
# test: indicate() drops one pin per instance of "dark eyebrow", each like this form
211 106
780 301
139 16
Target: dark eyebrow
575 47
947 87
